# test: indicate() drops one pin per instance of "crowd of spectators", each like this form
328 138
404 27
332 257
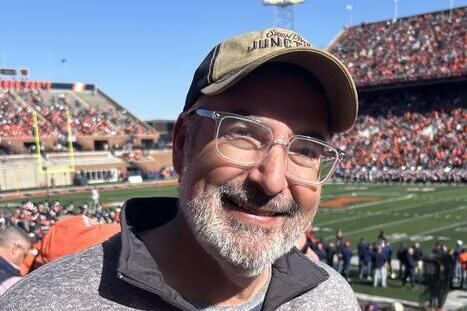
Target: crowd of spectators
34 234
408 135
17 107
37 218
16 120
423 47
86 120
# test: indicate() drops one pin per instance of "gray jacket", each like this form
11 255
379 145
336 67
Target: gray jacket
120 274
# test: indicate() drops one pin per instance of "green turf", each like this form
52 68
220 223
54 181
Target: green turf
406 213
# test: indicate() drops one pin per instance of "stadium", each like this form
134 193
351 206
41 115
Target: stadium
404 179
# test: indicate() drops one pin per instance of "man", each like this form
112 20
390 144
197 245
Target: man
418 257
387 252
346 258
379 268
96 207
365 262
361 250
409 268
463 263
401 256
15 244
252 151
330 253
455 254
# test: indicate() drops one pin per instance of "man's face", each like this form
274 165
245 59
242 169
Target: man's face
19 251
247 217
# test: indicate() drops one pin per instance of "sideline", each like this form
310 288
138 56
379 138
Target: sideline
29 194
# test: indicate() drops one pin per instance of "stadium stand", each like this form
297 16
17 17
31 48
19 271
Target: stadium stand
411 76
97 121
412 80
425 47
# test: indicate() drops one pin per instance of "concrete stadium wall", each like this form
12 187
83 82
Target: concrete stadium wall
24 177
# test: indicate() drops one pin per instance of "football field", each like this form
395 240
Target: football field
406 213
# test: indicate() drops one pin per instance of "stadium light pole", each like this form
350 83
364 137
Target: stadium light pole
451 4
350 10
283 12
395 11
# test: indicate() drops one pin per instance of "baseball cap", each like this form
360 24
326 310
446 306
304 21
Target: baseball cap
233 59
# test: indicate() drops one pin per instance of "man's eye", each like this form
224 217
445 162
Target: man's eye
307 152
241 132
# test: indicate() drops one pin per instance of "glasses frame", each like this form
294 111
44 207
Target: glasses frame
219 116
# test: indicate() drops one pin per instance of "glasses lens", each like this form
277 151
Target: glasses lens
310 161
242 140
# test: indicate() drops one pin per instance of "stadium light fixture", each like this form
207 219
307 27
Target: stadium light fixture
283 12
350 9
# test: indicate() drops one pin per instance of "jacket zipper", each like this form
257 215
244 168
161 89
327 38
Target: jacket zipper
152 290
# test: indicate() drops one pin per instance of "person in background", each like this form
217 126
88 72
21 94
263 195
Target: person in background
15 245
366 263
418 257
410 265
346 258
401 256
463 264
361 247
387 252
96 207
320 251
455 254
379 268
330 254
339 248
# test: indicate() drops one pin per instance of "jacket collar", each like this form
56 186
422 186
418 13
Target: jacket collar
292 275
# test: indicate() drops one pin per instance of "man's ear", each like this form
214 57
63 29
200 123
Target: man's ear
178 143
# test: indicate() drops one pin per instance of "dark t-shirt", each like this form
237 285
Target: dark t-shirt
7 270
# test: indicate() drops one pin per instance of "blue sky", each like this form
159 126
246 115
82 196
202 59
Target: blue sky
144 53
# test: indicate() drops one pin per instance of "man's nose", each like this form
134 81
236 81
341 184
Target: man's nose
270 173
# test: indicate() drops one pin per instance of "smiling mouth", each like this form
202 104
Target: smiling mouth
249 209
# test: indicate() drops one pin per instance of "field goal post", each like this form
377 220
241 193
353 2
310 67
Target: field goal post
66 169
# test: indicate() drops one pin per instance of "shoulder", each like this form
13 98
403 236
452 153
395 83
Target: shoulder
333 294
58 283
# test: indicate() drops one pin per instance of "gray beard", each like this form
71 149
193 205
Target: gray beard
246 248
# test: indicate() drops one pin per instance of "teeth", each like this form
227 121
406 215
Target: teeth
254 211
259 212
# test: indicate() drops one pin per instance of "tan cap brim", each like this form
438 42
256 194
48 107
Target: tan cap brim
337 83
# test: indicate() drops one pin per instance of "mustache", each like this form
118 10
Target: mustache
253 195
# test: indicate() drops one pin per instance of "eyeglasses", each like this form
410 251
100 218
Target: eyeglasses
246 141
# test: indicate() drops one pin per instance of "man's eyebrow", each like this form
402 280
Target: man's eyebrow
316 135
311 133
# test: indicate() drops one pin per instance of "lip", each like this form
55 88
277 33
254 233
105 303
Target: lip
249 215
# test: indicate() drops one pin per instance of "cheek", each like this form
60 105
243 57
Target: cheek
205 169
308 200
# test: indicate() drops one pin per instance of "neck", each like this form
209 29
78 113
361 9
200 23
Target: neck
195 273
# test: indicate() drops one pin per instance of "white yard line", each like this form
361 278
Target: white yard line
403 208
406 197
457 224
397 222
